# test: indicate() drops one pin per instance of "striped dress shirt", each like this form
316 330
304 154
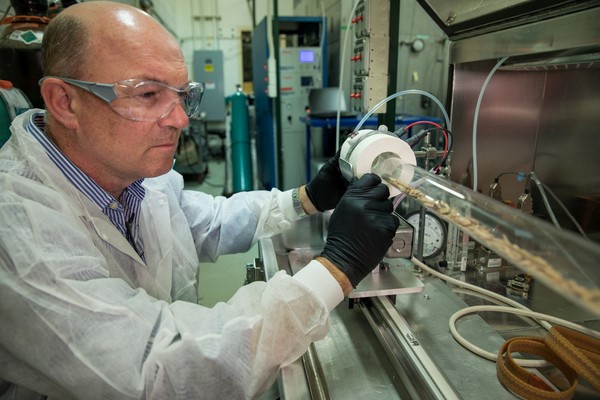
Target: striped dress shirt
123 213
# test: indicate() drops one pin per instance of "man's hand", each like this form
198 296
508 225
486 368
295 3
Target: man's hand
361 228
328 186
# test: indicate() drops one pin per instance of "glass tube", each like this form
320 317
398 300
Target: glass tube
563 260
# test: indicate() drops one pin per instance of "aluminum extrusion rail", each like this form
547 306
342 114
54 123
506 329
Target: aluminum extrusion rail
419 374
317 385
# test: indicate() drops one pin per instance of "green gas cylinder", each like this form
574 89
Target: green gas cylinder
12 103
241 158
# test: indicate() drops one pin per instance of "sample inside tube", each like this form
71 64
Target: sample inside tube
562 260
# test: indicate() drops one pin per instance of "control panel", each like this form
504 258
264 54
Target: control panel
300 71
369 56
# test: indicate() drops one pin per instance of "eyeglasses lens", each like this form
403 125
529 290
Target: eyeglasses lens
151 101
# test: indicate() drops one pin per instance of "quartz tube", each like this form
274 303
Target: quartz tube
564 261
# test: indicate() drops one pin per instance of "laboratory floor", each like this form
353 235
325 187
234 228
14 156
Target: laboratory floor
220 280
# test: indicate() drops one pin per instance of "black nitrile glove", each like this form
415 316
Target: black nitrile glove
361 228
327 188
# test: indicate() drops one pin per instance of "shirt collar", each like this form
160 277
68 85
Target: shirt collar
36 126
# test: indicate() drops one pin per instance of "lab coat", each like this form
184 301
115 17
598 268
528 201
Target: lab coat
82 316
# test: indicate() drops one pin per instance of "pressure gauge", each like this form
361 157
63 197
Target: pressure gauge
434 238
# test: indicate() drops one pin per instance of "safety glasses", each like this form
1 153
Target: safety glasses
142 100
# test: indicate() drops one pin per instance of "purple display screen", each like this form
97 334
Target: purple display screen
307 56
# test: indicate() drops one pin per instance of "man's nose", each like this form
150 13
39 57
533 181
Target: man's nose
176 117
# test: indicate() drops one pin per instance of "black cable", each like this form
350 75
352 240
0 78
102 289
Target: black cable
450 144
526 176
448 132
400 132
510 173
414 140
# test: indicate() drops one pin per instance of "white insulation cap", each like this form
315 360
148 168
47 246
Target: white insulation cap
362 148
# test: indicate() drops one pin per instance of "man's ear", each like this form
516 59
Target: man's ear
58 98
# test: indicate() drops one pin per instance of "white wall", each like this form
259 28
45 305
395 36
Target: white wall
215 25
210 25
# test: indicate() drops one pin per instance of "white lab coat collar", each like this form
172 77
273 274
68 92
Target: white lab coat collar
155 276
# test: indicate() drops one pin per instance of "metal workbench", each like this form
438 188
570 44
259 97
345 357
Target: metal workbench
391 347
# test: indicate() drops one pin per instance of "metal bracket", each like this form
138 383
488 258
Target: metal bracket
255 271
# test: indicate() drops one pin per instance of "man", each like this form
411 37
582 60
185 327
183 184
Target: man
99 243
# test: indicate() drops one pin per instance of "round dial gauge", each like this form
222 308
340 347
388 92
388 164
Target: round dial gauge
434 238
